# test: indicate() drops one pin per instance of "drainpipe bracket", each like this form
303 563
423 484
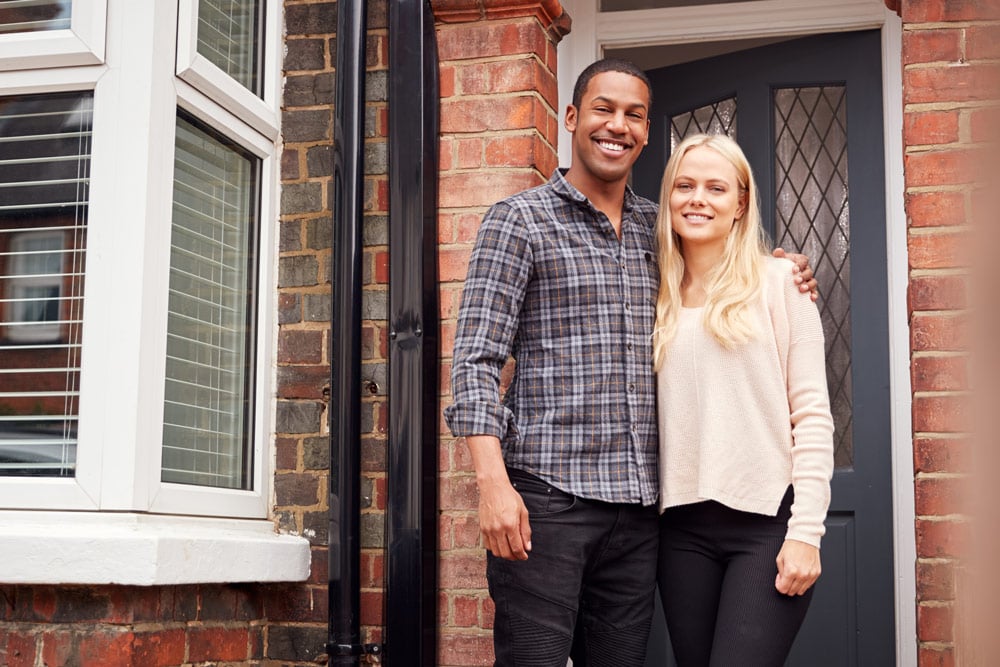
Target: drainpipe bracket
344 650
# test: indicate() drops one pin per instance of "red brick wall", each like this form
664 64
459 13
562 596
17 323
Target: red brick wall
949 57
499 115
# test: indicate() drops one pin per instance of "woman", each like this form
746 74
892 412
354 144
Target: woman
746 435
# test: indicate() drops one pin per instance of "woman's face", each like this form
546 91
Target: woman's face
705 198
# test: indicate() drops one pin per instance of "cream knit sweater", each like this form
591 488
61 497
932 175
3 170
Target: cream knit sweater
739 425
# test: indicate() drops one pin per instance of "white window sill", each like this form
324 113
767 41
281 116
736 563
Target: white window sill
145 550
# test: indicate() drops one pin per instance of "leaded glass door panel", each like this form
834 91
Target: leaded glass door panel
808 114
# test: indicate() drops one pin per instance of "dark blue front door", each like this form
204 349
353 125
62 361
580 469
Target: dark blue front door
808 113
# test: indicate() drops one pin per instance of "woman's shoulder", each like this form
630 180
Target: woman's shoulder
778 273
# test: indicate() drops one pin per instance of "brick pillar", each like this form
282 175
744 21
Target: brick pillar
499 120
946 48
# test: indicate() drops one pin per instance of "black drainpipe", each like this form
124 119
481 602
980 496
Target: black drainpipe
411 511
344 629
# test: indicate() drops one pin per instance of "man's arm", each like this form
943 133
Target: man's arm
503 518
487 324
803 272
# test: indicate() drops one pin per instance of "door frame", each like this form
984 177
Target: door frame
593 31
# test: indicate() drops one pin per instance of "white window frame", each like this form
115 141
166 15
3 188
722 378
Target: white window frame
81 44
41 332
594 31
116 511
194 68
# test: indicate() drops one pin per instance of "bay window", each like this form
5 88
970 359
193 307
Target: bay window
137 215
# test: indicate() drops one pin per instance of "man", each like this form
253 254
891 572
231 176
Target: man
564 277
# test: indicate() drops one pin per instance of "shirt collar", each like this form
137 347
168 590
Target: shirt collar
566 190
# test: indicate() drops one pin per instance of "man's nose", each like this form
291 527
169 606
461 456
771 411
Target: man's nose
617 122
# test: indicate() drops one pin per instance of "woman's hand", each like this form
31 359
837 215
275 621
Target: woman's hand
798 567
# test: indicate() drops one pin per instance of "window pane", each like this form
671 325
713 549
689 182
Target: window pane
44 180
716 118
33 15
813 217
229 36
207 408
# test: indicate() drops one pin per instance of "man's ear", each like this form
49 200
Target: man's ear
570 121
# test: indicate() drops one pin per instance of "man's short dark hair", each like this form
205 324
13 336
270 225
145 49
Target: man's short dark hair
608 65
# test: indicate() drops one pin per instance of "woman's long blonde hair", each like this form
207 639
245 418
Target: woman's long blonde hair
736 282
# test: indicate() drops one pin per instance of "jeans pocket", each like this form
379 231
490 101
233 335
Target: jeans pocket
541 498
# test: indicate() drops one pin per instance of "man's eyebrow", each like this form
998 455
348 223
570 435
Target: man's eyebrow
608 100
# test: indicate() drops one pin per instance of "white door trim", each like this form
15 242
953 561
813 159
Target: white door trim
594 31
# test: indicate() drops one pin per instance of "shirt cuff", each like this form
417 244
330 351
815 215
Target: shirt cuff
478 418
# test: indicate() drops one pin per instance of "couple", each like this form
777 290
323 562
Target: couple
668 421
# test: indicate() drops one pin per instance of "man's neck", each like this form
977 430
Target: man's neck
606 197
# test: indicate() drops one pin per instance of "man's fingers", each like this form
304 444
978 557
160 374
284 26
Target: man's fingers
525 529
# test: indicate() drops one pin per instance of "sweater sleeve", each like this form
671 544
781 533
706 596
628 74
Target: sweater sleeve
812 422
487 324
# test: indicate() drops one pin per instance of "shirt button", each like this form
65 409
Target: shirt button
629 346
634 428
626 305
631 387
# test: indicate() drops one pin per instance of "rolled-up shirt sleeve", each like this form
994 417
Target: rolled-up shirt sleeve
499 270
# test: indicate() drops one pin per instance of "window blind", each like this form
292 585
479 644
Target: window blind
207 409
34 15
229 36
44 178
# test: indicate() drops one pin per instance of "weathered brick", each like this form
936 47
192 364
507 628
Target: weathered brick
981 42
938 292
462 570
289 308
926 46
374 304
936 168
297 271
951 83
945 454
305 90
940 250
943 333
481 188
18 649
316 527
930 127
940 373
316 307
218 643
375 230
290 235
286 453
311 19
934 623
941 414
289 164
936 655
464 649
376 157
940 496
301 198
304 54
936 11
372 530
298 417
942 539
298 489
300 347
316 453
296 642
934 209
376 87
319 160
486 39
935 580
307 125
516 112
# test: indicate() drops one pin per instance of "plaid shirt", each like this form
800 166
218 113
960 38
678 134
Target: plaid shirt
551 284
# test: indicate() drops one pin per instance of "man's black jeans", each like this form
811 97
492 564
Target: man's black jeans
588 558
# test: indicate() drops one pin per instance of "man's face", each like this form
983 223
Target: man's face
610 128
